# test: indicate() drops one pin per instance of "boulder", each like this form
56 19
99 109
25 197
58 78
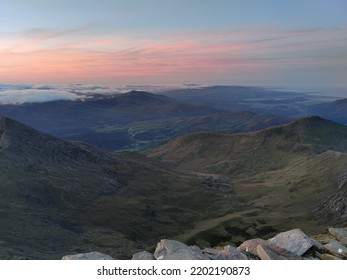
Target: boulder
250 246
295 241
88 256
340 234
268 251
174 250
144 255
327 256
336 248
227 253
265 253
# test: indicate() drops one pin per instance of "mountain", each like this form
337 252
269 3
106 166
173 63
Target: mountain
283 173
306 136
61 197
240 98
335 111
131 120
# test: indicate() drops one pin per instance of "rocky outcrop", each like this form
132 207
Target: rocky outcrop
290 245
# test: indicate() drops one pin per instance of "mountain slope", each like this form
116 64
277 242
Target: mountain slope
156 132
61 197
306 136
282 173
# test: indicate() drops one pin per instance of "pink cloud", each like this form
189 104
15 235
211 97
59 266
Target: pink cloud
41 56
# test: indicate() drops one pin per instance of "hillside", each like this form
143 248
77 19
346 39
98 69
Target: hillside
283 173
306 136
59 196
154 132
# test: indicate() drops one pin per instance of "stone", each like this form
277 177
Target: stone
227 253
327 257
264 253
340 234
295 241
336 248
174 250
88 256
268 251
250 246
144 255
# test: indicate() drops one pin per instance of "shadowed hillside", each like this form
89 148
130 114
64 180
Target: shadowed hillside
59 196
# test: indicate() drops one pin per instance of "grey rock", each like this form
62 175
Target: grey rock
268 251
327 257
88 256
227 253
336 248
250 246
295 241
264 253
340 234
144 255
174 250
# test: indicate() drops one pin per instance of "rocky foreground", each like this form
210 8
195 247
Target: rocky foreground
290 245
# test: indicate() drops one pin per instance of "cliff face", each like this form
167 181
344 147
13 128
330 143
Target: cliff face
334 208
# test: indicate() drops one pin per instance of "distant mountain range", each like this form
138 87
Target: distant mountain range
139 120
256 99
60 197
134 120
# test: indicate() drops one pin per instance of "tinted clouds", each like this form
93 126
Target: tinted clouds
272 43
20 94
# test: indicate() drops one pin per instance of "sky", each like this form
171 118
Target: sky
294 44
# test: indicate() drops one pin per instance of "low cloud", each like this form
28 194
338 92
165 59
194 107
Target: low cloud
23 95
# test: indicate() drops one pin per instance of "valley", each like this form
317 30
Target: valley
158 167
